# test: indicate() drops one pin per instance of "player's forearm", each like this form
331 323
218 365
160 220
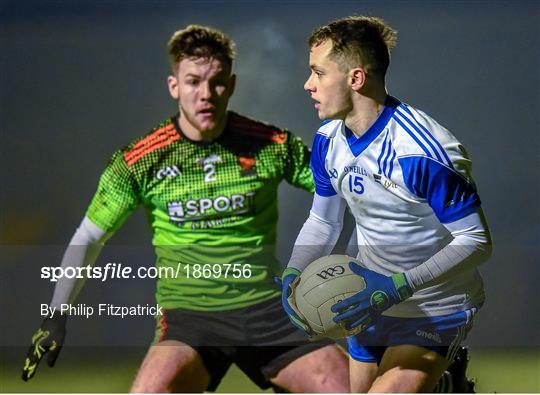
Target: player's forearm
83 250
471 247
319 233
316 239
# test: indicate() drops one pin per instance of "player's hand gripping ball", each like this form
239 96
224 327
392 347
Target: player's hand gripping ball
325 282
381 292
288 282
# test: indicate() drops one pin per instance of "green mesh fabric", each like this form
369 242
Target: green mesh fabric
213 204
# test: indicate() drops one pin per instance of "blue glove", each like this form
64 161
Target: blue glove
289 281
381 293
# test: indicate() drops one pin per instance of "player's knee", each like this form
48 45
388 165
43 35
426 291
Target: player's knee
150 382
150 387
183 382
400 381
330 370
323 370
327 381
171 367
334 359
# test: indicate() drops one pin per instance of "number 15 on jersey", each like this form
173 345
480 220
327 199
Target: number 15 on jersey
355 184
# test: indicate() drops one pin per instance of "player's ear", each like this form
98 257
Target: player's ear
172 83
357 78
231 84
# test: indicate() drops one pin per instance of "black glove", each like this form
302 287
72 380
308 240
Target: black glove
47 339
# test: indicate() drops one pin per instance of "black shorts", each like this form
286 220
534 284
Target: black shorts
259 339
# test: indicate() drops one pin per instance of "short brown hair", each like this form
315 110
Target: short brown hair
358 41
200 42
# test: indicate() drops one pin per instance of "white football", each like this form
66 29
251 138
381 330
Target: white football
326 281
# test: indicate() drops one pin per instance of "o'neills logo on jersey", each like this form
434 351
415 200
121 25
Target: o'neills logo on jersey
212 159
355 169
206 208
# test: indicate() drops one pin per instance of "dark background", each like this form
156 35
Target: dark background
80 79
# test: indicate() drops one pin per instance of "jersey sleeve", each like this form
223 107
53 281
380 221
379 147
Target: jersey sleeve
323 186
297 169
450 191
116 197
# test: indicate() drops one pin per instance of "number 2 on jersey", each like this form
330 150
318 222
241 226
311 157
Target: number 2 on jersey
355 184
209 172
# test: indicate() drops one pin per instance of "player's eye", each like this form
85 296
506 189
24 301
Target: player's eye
192 82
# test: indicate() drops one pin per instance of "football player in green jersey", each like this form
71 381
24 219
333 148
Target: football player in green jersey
208 179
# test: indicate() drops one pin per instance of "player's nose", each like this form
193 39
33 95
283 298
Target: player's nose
308 86
206 91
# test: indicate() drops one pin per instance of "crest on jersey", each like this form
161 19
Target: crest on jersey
168 171
247 165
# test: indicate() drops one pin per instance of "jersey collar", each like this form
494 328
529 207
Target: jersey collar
358 145
218 139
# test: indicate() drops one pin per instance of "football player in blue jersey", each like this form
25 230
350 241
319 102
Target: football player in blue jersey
421 232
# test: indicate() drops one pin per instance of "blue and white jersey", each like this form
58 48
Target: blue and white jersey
402 179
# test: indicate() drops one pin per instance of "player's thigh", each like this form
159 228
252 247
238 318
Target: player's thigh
408 368
362 375
171 366
322 370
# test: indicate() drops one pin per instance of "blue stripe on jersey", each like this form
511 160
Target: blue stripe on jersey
391 164
390 149
400 122
442 150
323 186
358 145
448 193
421 135
382 153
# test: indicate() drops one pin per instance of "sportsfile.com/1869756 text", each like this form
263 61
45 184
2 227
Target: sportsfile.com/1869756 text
121 271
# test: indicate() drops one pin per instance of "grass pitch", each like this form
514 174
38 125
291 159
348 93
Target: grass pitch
498 370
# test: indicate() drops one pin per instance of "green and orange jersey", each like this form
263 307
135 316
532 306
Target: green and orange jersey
208 204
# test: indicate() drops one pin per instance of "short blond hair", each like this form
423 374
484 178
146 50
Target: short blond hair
196 41
358 41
